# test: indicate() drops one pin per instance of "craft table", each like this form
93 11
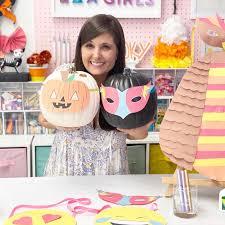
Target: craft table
49 190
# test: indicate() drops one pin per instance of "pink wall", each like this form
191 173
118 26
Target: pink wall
46 27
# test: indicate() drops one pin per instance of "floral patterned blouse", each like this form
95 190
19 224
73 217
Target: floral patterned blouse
88 151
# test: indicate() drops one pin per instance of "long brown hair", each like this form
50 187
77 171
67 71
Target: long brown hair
96 26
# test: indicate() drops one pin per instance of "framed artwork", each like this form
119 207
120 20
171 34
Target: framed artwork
117 8
205 8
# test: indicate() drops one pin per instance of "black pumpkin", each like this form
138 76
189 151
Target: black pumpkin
128 100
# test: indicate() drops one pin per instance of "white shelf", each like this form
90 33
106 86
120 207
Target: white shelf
7 141
152 138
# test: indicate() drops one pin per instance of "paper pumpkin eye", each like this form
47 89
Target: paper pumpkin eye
74 97
53 95
69 100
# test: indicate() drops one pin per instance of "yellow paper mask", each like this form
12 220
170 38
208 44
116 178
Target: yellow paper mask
41 217
129 215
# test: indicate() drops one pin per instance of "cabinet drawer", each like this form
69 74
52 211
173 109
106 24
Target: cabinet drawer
41 157
13 162
136 159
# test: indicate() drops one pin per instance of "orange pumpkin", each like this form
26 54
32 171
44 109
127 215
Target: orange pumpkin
69 99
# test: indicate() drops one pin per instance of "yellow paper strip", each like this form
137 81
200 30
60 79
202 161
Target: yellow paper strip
217 72
213 117
209 162
211 140
215 94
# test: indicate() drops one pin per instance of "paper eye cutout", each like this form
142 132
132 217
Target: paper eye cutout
26 220
53 95
50 217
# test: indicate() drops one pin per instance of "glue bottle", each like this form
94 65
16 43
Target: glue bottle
222 200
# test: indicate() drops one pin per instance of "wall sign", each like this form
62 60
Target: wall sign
205 8
117 8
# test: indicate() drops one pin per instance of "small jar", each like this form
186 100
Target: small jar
185 202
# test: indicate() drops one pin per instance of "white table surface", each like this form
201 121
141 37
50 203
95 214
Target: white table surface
49 190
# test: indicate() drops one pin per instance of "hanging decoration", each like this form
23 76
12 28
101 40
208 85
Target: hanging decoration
6 9
17 40
172 49
192 131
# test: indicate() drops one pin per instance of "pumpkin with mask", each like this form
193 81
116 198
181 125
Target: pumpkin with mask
128 100
69 99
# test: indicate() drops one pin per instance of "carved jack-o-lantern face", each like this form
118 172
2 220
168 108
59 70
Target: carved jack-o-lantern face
68 96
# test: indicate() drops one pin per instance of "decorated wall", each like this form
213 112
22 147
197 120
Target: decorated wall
49 28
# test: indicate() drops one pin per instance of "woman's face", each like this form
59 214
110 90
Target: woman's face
99 55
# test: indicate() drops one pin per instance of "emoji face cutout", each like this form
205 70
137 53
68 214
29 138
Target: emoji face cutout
41 217
129 215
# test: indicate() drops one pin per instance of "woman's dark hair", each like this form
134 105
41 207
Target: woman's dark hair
92 28
96 26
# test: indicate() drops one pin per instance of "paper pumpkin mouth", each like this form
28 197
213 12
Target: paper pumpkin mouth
61 105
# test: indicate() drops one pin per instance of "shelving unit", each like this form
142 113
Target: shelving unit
19 109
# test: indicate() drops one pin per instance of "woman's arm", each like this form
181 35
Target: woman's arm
137 133
44 122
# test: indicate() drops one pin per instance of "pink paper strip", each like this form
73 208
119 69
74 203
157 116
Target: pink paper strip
209 155
216 87
212 132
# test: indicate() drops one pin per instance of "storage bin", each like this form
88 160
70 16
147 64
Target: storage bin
13 162
41 157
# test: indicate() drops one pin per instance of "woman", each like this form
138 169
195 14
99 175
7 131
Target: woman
91 150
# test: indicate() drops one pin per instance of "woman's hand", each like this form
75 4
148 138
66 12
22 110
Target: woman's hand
137 133
44 122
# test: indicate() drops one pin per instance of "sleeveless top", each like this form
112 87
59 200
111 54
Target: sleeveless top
88 151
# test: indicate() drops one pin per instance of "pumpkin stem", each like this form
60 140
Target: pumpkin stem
64 74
